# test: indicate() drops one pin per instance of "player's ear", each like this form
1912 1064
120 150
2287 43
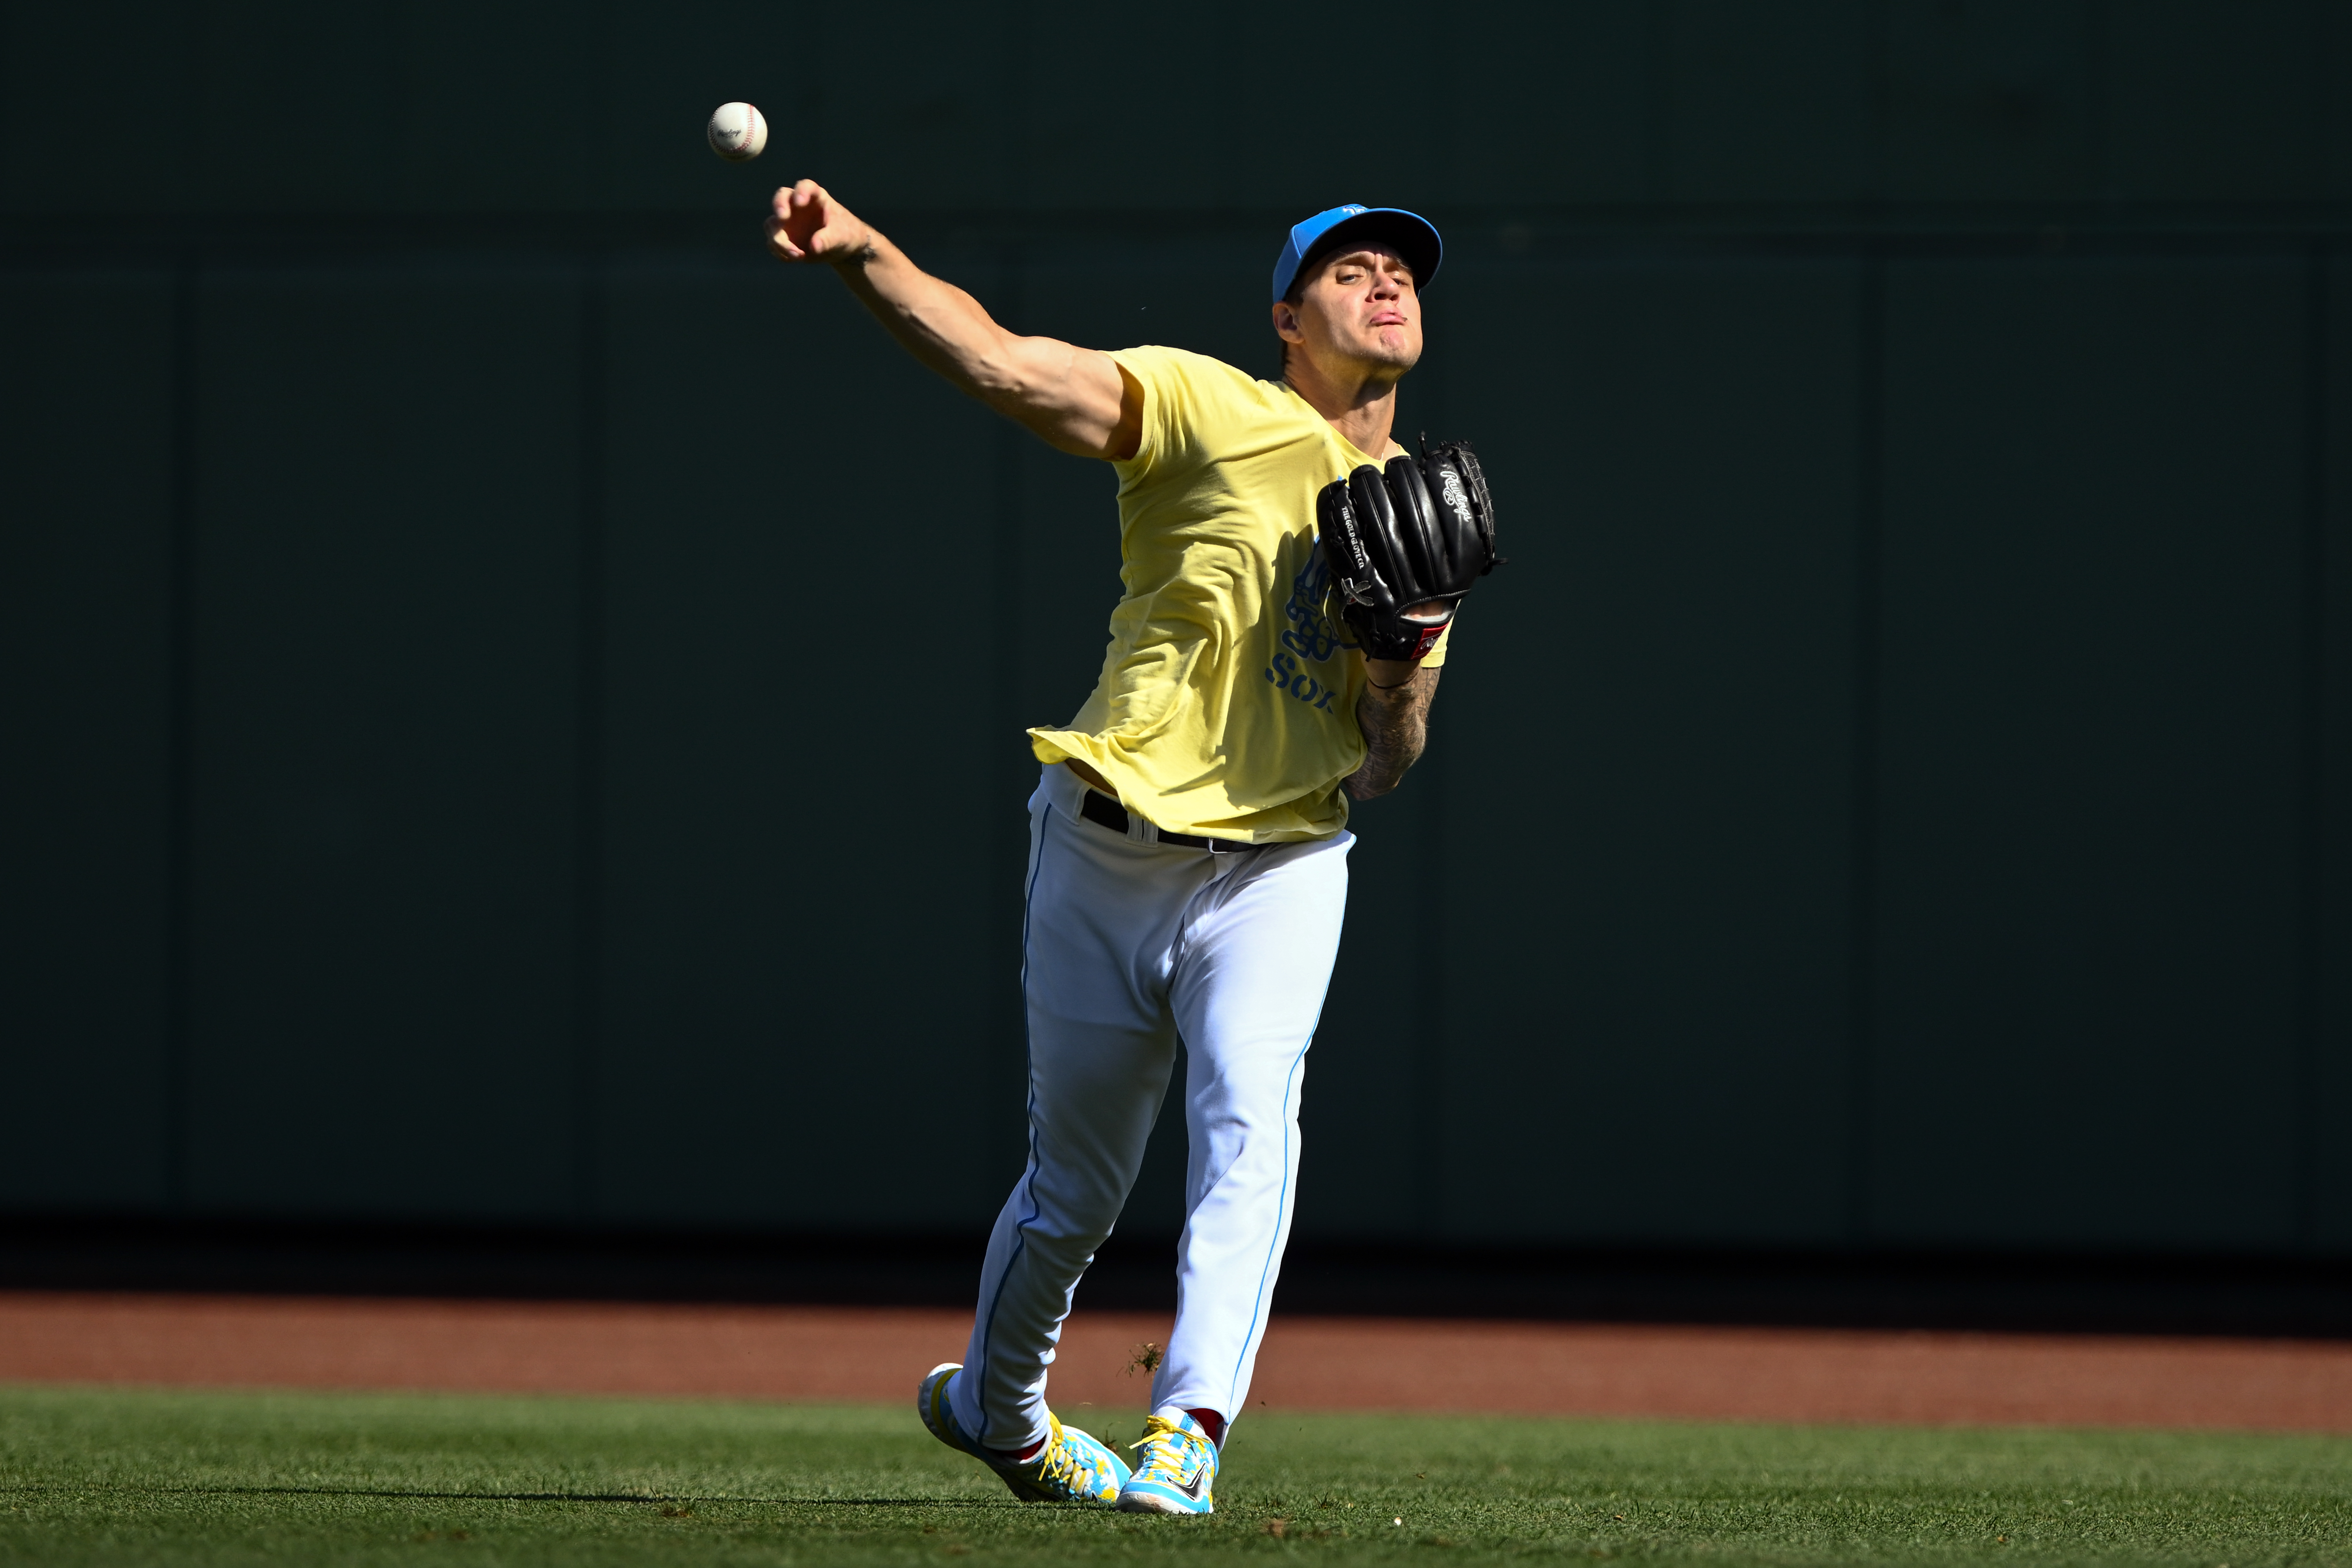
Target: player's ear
1286 323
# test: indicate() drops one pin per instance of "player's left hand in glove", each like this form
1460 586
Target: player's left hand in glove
1404 544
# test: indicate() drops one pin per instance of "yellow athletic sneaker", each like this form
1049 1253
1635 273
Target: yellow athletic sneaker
1174 1466
1073 1467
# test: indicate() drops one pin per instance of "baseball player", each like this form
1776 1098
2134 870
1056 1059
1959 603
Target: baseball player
1188 859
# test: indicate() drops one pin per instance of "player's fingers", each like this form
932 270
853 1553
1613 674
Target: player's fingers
781 243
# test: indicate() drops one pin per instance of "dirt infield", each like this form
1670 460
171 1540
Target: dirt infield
1317 1364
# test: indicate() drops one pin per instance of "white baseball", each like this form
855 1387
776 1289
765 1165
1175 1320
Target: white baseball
737 132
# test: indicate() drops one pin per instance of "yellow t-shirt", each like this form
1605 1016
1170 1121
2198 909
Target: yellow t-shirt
1227 701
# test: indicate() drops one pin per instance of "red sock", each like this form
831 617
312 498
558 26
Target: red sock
1212 1422
1024 1455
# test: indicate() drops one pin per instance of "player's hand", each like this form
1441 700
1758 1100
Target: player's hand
807 225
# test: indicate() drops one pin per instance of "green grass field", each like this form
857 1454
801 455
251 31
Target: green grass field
113 1476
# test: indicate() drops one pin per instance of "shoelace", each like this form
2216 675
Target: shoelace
1060 1462
1165 1447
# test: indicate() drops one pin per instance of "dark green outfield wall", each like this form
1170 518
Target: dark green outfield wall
1898 794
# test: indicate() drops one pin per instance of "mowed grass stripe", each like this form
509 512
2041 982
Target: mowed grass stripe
116 1476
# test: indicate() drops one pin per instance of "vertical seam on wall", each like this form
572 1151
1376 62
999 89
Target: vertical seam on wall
1870 392
2316 81
2311 804
1878 174
1869 568
2100 184
595 153
589 676
179 873
1015 94
1657 155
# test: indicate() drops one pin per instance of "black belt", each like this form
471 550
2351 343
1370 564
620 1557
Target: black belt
1100 808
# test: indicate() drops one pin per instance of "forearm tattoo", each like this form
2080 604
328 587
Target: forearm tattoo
1396 727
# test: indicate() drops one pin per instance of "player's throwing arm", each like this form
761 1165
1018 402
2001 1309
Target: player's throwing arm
1072 398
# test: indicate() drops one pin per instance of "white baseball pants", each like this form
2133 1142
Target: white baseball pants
1131 945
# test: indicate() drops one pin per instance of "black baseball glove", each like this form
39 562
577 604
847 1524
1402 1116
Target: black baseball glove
1405 544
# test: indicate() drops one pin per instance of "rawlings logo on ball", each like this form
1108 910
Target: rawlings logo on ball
737 132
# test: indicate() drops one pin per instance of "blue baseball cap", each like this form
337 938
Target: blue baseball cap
1414 236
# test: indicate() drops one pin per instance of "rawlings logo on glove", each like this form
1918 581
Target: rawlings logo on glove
1402 560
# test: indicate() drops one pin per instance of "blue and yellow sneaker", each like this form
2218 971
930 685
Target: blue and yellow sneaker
1174 1466
1071 1468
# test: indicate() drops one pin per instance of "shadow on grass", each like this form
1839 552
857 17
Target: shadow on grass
84 1488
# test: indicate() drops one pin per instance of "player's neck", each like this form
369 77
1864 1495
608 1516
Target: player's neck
1361 407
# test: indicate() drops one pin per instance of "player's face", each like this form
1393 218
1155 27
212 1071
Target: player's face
1361 309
